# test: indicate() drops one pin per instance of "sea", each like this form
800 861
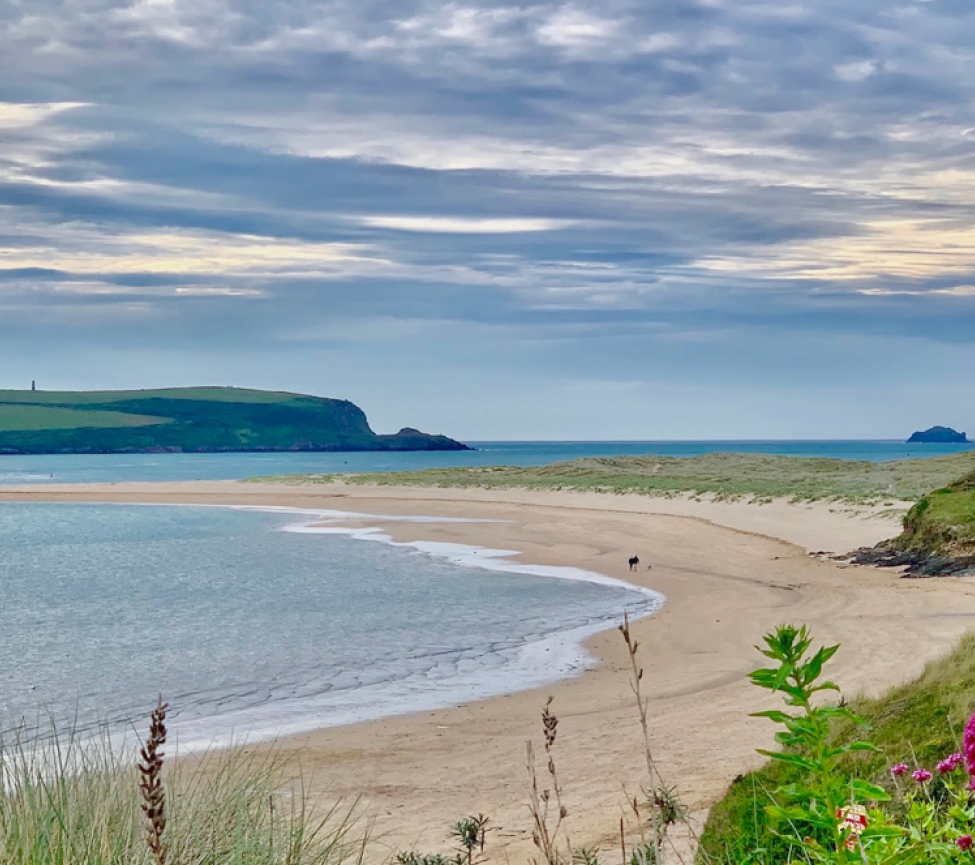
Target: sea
257 623
254 624
114 468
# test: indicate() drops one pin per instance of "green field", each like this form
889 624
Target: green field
725 475
102 397
19 417
197 420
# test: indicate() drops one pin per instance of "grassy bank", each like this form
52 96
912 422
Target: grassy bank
724 475
944 520
917 723
938 537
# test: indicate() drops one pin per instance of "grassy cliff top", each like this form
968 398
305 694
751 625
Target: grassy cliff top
726 475
103 397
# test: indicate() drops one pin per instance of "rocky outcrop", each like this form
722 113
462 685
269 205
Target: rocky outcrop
409 439
916 563
938 435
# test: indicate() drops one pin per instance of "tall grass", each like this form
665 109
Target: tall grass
74 801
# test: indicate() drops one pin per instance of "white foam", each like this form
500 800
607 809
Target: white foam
536 663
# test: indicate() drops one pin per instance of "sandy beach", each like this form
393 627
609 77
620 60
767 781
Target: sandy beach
730 572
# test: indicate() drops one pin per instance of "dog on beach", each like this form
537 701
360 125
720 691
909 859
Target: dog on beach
634 561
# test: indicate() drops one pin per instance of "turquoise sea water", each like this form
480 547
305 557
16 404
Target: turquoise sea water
252 630
183 467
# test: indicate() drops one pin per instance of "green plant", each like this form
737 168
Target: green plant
470 833
413 858
917 722
585 856
831 815
811 806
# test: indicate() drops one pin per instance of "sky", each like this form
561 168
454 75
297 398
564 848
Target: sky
633 219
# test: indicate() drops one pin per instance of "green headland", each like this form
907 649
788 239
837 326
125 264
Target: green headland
192 420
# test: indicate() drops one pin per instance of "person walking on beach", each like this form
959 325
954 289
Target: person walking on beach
634 561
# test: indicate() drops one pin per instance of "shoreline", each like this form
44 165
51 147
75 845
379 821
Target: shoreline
564 649
725 585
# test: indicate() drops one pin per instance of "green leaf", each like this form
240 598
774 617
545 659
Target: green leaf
790 814
863 746
773 714
781 676
865 790
886 831
826 686
791 759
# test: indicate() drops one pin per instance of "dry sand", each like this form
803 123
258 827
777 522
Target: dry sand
730 571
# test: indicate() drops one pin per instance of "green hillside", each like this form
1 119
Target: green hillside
198 420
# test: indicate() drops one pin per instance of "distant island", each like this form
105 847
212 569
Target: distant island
193 420
938 435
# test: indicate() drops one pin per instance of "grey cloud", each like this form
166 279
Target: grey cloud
660 138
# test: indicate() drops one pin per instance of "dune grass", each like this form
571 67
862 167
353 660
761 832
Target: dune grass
729 475
75 802
917 723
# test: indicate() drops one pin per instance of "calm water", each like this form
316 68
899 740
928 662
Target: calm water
183 467
249 629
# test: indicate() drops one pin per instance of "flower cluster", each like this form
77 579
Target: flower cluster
968 746
950 763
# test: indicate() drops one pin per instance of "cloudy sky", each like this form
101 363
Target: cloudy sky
631 219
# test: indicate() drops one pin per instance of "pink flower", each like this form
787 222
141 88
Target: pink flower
922 776
968 745
964 842
899 770
950 763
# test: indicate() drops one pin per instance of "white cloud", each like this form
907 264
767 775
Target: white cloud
859 70
463 225
573 28
20 115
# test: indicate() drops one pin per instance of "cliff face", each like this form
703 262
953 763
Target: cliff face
192 420
938 435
